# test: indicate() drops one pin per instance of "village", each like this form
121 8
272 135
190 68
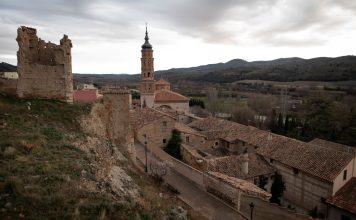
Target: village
242 170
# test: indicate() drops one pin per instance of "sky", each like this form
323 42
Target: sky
107 35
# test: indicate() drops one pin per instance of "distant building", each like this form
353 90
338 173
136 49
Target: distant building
9 75
85 93
157 93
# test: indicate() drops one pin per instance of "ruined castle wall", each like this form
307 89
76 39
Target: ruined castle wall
45 69
8 86
109 118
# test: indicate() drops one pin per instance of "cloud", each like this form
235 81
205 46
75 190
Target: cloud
235 23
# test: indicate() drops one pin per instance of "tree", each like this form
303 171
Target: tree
173 145
277 188
280 123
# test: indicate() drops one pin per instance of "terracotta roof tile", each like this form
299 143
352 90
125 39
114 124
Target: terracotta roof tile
315 160
143 116
186 129
333 145
169 96
243 185
162 82
231 166
345 198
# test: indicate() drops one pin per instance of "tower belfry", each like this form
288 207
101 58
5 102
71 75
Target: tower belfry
147 84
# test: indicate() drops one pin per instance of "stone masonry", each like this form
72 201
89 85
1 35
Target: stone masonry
45 69
117 118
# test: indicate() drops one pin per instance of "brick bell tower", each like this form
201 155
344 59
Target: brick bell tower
147 84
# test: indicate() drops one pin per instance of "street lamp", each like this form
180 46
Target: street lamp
146 155
251 208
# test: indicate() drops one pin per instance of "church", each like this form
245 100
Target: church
154 93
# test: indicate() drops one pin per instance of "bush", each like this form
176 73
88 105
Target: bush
173 146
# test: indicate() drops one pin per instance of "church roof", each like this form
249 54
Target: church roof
166 96
147 44
162 82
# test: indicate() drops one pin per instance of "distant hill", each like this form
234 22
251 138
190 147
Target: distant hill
284 69
5 67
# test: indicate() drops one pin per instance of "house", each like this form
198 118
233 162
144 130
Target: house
342 206
155 127
9 75
312 173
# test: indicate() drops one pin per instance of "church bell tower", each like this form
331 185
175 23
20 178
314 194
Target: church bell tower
147 83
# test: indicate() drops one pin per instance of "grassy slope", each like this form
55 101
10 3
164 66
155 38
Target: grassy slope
40 171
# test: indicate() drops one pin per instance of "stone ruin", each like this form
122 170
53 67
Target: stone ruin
45 69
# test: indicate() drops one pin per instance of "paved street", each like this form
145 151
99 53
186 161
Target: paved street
194 196
213 208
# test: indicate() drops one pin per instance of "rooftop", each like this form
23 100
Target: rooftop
243 185
333 145
169 96
322 162
345 198
143 116
231 166
162 82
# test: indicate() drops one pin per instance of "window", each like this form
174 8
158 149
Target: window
322 199
144 135
295 171
164 124
243 143
271 160
216 143
345 175
187 139
164 141
345 217
148 74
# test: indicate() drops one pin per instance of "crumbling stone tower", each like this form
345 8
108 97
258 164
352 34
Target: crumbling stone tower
117 108
45 69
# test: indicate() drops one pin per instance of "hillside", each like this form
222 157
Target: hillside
51 169
285 69
5 67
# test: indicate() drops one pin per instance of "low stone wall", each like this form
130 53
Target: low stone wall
8 86
224 191
189 172
192 158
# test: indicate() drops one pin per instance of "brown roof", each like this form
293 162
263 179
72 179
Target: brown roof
231 166
186 129
243 185
143 116
333 145
345 198
162 82
169 96
168 110
315 160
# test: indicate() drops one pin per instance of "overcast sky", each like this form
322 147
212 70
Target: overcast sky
107 35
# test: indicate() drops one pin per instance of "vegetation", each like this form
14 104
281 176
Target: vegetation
277 188
196 102
44 176
173 145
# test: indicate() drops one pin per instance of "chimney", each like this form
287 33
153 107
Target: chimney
244 164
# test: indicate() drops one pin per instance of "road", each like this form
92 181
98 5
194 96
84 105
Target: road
209 206
194 196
